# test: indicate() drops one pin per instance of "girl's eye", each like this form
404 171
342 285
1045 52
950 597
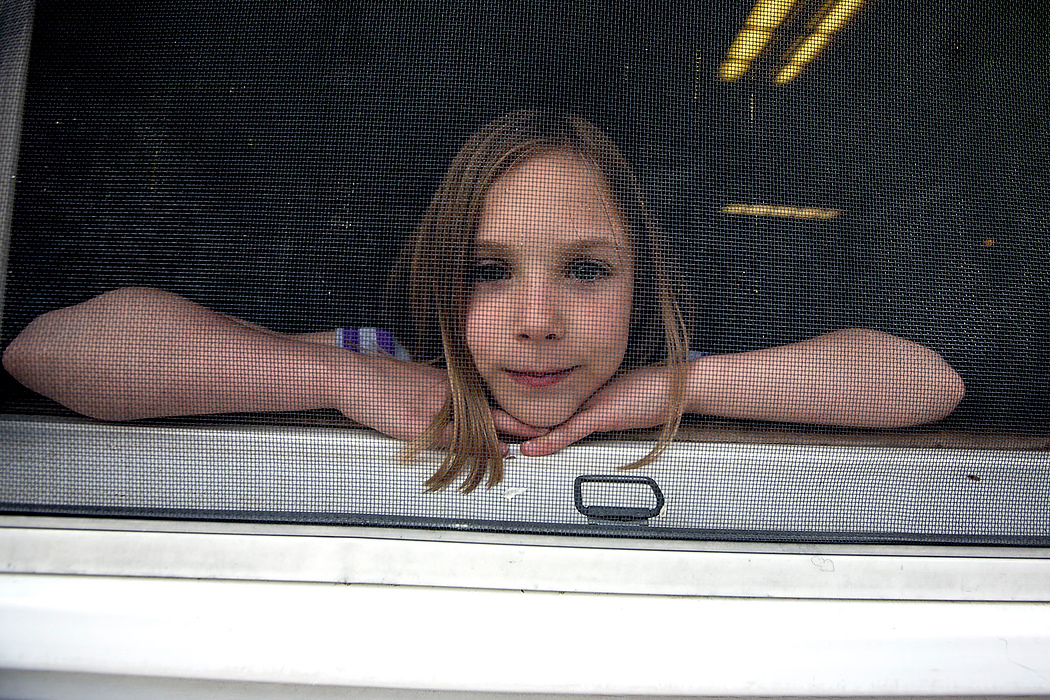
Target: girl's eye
586 270
490 272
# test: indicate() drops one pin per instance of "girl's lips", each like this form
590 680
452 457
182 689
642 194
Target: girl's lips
539 379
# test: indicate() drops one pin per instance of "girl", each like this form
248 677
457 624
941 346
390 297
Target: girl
541 306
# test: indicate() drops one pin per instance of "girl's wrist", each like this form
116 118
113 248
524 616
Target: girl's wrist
712 386
347 379
698 379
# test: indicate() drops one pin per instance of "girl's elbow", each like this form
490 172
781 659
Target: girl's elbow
956 389
21 360
32 360
947 395
936 402
940 388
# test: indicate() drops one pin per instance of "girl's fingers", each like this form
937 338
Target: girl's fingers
505 423
574 429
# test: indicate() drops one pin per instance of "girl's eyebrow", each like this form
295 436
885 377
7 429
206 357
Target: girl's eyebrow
578 245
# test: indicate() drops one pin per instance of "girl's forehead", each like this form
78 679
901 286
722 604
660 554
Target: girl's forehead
558 198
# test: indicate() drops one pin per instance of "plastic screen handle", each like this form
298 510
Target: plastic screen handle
616 512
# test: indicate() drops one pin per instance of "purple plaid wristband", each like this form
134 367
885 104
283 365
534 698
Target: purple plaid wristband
348 339
371 340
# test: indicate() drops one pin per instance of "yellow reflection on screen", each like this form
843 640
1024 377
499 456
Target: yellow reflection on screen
764 18
781 211
834 16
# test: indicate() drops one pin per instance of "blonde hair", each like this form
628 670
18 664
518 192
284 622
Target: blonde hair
434 273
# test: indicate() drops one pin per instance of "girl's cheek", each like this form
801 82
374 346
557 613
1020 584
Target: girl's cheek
483 334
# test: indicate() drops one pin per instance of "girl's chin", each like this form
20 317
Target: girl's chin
541 418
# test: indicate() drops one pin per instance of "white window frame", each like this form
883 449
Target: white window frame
400 610
103 607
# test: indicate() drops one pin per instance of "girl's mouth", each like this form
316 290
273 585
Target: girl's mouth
539 379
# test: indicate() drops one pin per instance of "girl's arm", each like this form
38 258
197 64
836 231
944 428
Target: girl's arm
853 377
140 352
144 353
329 337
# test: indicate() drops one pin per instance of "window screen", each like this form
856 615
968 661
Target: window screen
460 264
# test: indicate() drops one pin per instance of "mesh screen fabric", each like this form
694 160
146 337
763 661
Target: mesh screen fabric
269 161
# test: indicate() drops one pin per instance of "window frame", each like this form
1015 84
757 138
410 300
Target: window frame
824 618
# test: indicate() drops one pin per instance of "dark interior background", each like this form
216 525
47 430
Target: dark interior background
268 159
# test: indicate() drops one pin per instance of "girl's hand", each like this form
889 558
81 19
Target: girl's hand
400 399
638 399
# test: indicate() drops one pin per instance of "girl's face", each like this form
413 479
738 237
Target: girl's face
548 320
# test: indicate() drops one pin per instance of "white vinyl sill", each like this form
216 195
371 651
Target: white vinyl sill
389 641
137 608
558 563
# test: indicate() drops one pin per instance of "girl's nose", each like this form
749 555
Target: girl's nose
539 317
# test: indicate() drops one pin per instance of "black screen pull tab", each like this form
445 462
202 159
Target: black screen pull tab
616 512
